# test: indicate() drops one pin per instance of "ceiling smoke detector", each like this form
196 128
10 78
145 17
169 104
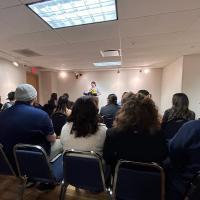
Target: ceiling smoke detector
111 53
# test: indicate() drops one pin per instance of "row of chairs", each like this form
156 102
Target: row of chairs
85 170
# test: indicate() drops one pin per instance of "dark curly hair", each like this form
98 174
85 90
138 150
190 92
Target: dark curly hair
138 112
84 117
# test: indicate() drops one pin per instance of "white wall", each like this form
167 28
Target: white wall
171 82
191 81
10 77
107 82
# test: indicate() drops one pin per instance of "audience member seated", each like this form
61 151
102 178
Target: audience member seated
96 101
136 133
120 102
184 150
109 111
59 117
83 132
51 105
37 105
11 98
22 123
0 103
145 93
176 116
69 103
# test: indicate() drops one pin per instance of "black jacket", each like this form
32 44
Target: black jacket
134 145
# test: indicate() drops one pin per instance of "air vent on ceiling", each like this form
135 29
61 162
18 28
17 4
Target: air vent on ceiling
110 53
27 52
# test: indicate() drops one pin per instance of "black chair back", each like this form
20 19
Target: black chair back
138 181
83 170
5 166
58 120
32 162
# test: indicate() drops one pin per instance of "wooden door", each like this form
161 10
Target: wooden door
33 80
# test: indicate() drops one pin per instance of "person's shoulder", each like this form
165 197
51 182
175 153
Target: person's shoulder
103 107
67 127
168 110
113 132
102 126
37 111
192 124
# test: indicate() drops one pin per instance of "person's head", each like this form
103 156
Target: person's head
180 103
54 96
62 104
66 94
126 96
25 93
137 112
112 99
84 117
144 93
93 84
11 96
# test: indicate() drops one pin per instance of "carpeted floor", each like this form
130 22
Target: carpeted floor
10 189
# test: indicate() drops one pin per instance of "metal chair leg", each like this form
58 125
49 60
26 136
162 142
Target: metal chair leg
23 181
63 191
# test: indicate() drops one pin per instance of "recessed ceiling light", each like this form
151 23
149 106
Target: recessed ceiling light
63 74
15 64
66 13
107 64
146 71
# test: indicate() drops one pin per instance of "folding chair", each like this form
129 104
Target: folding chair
83 170
33 164
5 166
138 181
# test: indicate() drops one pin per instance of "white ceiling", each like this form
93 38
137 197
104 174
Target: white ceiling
152 33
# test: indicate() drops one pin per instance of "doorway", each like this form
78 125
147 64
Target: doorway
33 80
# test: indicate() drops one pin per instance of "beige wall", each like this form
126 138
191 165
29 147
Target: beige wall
171 82
10 77
47 85
191 81
107 82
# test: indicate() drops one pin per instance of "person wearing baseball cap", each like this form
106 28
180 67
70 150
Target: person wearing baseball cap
22 123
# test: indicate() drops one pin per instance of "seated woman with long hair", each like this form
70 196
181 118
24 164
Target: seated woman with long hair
179 109
177 115
83 132
62 106
60 115
136 133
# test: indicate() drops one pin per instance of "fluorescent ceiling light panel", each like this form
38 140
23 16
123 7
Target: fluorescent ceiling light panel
107 64
66 13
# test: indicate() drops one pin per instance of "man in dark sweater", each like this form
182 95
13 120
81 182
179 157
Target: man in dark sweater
109 111
184 150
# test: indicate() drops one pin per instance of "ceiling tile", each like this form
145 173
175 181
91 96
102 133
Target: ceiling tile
91 32
165 23
138 8
9 3
22 20
31 40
